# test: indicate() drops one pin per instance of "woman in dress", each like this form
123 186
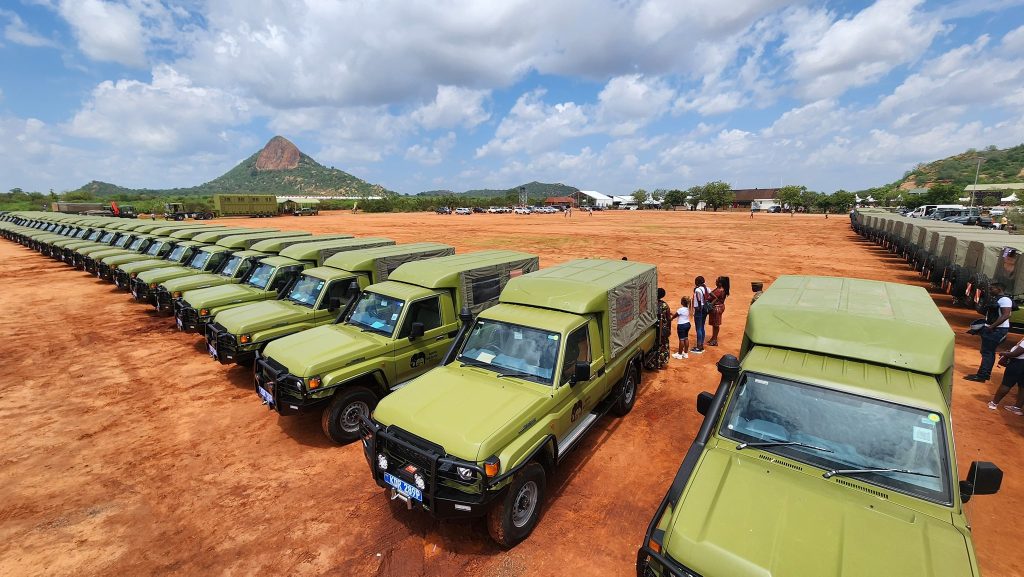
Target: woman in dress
720 293
662 349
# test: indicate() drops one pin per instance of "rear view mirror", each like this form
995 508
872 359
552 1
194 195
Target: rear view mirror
334 303
416 331
704 402
983 478
581 373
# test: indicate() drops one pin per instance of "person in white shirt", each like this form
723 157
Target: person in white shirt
682 317
993 333
1012 376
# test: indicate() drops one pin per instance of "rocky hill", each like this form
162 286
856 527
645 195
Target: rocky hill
278 168
998 166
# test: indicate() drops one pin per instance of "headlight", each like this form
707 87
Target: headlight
313 382
382 462
204 312
244 338
152 286
176 295
465 473
419 481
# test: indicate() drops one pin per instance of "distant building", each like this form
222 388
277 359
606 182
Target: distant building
592 198
560 201
1004 192
293 203
755 198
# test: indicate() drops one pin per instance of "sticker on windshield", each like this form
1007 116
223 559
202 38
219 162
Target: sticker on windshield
761 381
485 357
553 337
933 418
517 336
394 317
923 435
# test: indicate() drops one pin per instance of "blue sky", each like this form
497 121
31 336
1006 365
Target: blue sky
609 95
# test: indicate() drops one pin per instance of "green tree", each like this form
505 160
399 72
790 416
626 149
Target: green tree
675 197
989 201
640 196
841 201
717 194
693 196
790 195
942 194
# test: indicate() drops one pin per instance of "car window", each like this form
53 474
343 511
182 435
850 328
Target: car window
426 311
577 348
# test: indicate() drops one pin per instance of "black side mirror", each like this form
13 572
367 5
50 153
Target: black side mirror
581 373
416 331
704 402
983 478
333 303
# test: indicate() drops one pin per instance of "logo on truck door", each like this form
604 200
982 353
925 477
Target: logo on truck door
417 360
577 409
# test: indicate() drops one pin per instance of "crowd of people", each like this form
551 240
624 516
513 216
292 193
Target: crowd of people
703 306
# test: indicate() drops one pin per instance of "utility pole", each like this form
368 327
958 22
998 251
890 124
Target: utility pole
977 171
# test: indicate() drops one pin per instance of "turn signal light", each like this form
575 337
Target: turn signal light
204 312
244 339
314 382
654 546
491 468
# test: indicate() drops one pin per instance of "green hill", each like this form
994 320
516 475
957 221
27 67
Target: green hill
998 166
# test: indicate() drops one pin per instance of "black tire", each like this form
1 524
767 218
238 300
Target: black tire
339 420
513 518
628 388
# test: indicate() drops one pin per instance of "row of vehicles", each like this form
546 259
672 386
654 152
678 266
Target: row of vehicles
466 380
502 210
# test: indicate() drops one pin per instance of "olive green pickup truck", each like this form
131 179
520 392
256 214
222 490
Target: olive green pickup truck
827 449
481 434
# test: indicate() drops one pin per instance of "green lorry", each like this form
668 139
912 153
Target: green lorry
313 299
196 308
827 448
396 330
480 435
243 253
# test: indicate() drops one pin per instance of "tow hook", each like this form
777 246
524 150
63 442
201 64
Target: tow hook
396 495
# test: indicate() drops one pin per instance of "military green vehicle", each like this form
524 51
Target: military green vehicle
139 242
208 258
265 281
231 270
827 449
170 237
980 266
48 245
480 435
180 252
65 250
82 257
313 299
37 238
396 330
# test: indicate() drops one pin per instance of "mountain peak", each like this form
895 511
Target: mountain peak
279 154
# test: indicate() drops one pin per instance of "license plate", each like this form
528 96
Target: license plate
213 350
403 487
181 326
269 398
135 292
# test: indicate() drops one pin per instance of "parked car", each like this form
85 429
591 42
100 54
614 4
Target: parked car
495 210
478 210
443 210
521 210
305 211
463 210
773 209
999 211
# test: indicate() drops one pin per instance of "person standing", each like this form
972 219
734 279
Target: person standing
702 305
993 333
1012 376
682 317
658 359
720 293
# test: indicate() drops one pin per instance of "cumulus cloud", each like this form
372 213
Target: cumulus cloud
18 32
431 153
532 126
627 103
106 31
453 106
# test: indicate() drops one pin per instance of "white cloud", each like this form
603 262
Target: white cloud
106 31
627 103
453 106
431 153
831 57
533 126
17 32
1013 41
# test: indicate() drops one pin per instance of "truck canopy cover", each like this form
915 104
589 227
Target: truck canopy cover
623 290
983 255
889 324
954 246
383 260
246 240
322 250
214 234
276 245
479 276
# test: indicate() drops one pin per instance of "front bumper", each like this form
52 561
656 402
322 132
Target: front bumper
224 346
122 280
141 291
408 455
652 564
163 301
282 391
188 319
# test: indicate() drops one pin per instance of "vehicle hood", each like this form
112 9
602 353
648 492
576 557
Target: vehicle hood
260 316
465 410
196 281
144 265
165 273
742 516
102 254
216 296
120 259
88 250
324 349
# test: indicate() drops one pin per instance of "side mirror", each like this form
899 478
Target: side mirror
333 303
704 402
983 478
416 331
582 372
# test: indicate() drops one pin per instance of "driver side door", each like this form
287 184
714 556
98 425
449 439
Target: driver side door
415 357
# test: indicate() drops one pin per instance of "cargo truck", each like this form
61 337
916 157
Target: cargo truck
315 298
481 434
232 270
394 331
265 281
827 448
255 205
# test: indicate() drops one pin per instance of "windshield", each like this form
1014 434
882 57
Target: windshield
837 430
504 347
260 276
136 243
154 248
200 259
229 266
176 253
377 313
122 241
107 237
95 234
306 290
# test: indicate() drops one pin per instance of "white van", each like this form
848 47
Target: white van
926 209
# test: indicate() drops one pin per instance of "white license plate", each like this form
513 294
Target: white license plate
403 487
135 292
181 326
269 398
213 350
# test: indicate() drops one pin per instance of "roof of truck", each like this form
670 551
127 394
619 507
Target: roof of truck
311 250
578 286
364 259
276 245
245 239
889 324
446 271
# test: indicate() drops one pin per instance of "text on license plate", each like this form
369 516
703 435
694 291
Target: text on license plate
178 320
403 487
265 395
213 350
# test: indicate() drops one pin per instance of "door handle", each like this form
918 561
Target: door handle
439 338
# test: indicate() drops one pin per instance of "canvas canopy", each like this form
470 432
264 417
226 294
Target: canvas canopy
245 241
276 245
623 292
380 262
320 251
983 256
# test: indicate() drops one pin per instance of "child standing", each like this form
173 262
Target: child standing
683 328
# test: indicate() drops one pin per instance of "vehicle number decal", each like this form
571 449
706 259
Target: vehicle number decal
922 435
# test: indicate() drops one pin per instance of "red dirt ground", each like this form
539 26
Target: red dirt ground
127 451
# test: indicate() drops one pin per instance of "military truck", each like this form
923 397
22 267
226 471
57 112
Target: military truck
267 280
394 331
207 259
314 299
168 237
827 448
104 236
142 235
232 270
480 435
980 266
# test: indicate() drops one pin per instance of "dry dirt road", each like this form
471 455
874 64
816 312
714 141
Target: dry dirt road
127 451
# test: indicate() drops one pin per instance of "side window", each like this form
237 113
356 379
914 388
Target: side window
284 276
426 311
215 260
577 348
243 268
336 289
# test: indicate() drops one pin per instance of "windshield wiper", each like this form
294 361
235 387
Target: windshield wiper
742 446
835 472
520 374
468 362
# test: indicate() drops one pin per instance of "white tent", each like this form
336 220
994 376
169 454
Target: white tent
597 198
